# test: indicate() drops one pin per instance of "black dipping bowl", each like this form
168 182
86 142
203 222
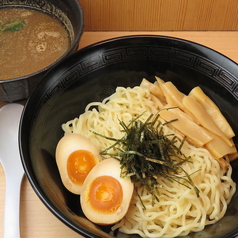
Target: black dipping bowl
93 73
70 13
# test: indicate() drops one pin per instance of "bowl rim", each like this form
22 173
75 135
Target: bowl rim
138 36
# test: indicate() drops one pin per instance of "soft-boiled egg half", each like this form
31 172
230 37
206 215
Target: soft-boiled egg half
75 157
106 196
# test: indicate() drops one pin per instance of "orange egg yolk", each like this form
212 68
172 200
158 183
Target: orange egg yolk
79 164
105 194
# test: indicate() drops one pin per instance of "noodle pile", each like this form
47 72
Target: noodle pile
179 210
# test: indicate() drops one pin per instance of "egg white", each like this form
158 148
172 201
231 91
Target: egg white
109 167
68 144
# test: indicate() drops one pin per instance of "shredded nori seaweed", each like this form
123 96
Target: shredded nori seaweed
145 153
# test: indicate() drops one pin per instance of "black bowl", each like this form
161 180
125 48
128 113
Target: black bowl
92 74
70 13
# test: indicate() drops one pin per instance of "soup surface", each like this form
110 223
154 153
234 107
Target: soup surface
30 40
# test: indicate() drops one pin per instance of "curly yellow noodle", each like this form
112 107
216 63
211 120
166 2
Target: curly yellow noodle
179 211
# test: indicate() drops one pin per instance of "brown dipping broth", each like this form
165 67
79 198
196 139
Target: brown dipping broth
40 41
